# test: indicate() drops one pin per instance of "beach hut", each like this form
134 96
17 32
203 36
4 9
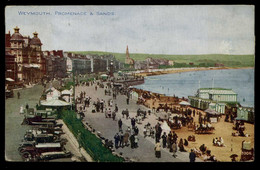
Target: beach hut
246 114
212 115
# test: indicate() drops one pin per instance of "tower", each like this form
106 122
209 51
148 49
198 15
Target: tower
127 55
128 60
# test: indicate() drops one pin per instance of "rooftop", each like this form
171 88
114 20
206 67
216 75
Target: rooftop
216 91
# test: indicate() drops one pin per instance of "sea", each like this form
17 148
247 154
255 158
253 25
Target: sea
186 84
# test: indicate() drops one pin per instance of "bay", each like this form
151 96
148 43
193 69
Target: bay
187 83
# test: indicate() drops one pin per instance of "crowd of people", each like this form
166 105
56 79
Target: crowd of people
129 137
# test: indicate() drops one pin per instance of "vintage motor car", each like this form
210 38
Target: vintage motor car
37 150
32 117
54 155
9 94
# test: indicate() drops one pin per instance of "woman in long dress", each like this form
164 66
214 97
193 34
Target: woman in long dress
157 150
21 110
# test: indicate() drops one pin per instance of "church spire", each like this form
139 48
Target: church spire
127 52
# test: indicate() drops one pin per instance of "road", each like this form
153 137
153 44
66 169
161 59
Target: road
14 131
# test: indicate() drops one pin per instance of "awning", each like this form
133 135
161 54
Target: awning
240 118
184 103
9 79
54 102
66 92
212 112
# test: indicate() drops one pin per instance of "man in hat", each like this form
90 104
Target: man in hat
120 124
117 138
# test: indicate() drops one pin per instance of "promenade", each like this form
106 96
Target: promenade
108 127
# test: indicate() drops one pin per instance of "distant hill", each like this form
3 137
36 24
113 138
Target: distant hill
199 60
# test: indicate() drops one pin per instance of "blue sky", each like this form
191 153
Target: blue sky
188 29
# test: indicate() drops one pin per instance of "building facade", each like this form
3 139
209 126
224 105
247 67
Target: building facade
55 64
28 56
214 98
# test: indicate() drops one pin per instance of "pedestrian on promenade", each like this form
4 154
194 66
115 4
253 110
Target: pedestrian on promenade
21 110
106 113
120 124
117 138
127 100
136 141
136 130
125 139
116 108
133 122
113 115
121 137
192 156
132 141
27 106
123 113
18 95
157 149
174 149
164 137
128 130
127 114
109 113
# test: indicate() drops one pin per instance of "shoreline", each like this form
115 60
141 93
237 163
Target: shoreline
179 70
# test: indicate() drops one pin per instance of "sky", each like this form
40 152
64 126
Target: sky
163 29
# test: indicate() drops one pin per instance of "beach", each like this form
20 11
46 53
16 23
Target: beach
179 70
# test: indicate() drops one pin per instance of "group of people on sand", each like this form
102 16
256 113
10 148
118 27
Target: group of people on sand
218 142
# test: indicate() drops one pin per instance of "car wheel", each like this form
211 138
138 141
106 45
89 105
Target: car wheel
26 155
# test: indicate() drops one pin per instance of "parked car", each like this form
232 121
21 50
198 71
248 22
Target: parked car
37 150
54 155
9 94
32 117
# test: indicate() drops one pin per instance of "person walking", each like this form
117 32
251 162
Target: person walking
125 139
133 122
27 106
121 137
192 156
117 138
132 141
164 138
136 141
127 114
157 149
120 124
21 110
174 149
18 95
114 115
127 101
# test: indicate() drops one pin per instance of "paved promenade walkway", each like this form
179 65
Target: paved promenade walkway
108 127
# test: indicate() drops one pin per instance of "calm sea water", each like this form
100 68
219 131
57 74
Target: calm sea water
187 83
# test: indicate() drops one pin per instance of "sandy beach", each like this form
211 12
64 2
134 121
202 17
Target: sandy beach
179 70
223 129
